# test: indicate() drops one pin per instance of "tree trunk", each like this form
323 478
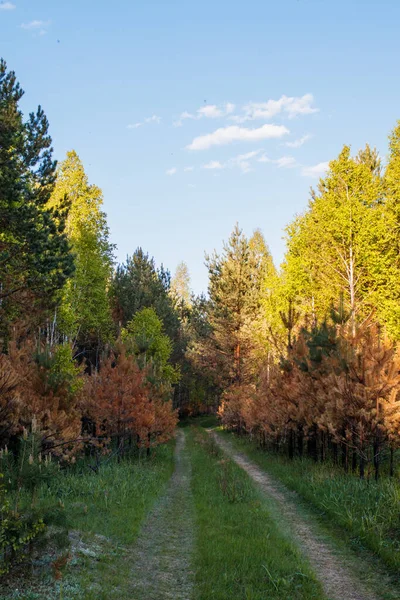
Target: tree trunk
323 449
345 457
335 453
291 445
148 442
312 444
391 468
300 438
362 466
376 458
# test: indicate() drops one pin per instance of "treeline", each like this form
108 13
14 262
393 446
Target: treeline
306 358
93 354
101 355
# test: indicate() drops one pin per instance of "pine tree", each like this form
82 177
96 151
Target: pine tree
35 258
235 284
145 339
138 284
123 404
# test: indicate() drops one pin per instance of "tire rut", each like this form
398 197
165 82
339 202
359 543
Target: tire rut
162 554
336 579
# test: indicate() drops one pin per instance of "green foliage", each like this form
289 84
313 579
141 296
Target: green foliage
35 258
389 301
26 468
84 314
27 473
236 281
138 284
64 370
345 244
96 507
144 337
231 484
60 369
17 531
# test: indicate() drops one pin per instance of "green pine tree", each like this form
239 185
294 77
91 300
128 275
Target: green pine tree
35 257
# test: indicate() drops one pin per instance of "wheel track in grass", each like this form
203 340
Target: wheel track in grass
337 580
161 567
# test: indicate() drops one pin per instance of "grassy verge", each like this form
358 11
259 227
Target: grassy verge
241 550
104 511
369 510
362 516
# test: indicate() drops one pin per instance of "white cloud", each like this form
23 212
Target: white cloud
35 25
242 162
248 155
153 119
299 142
214 164
7 6
187 169
285 162
209 111
187 115
291 106
316 170
172 171
233 133
191 185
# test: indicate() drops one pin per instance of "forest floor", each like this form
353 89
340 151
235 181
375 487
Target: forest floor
202 522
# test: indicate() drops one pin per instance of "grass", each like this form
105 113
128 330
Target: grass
114 501
242 552
342 505
363 513
104 512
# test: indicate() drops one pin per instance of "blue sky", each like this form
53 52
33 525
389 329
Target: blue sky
194 115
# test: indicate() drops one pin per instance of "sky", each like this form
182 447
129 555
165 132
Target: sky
192 116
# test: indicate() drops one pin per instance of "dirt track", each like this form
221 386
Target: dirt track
336 579
162 555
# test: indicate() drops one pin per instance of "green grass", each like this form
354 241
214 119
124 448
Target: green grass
114 501
105 511
366 512
242 551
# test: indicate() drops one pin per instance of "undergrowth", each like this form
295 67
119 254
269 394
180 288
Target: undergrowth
102 511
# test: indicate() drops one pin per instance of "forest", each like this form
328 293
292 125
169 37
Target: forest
105 366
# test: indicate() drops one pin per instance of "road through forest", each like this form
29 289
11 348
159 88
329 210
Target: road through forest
163 556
